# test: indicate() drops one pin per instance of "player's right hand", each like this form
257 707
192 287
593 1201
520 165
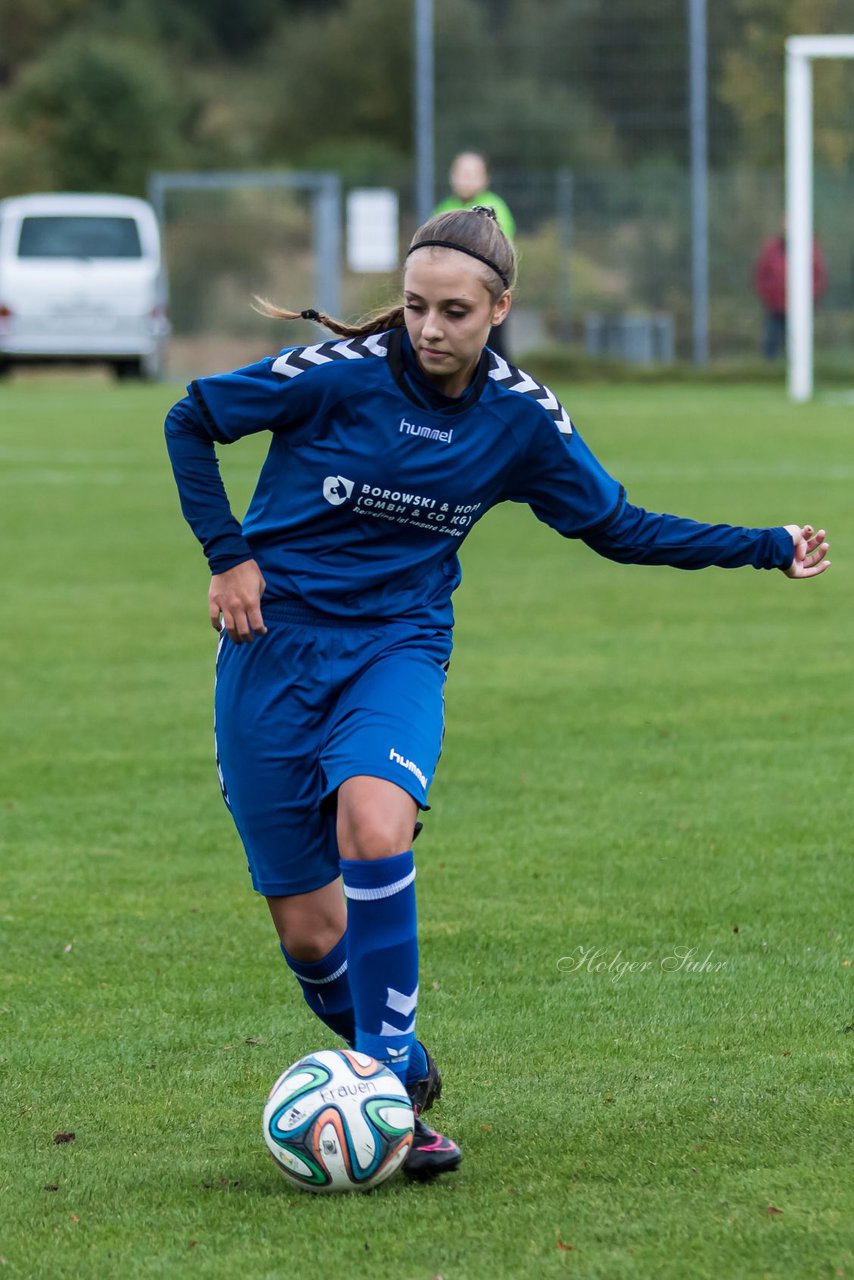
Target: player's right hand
234 602
810 549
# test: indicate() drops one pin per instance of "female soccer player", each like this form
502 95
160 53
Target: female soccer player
333 604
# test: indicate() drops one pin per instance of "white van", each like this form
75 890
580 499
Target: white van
82 279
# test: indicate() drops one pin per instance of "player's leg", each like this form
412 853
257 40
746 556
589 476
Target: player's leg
312 936
382 754
379 757
311 929
271 706
309 925
375 819
268 757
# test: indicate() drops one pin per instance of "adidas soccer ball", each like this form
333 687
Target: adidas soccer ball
338 1120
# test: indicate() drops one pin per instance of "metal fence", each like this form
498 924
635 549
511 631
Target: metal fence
605 247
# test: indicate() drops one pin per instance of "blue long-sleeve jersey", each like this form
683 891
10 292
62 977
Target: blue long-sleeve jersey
370 485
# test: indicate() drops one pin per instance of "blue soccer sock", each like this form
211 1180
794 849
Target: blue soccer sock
417 1062
382 955
326 987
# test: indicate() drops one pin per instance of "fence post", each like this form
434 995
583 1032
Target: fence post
564 207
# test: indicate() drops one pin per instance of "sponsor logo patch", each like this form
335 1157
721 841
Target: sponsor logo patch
337 489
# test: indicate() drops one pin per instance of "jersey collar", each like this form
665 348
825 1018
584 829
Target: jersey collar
417 388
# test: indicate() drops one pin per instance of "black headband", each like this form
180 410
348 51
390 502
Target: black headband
460 248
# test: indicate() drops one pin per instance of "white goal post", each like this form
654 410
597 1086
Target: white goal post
800 52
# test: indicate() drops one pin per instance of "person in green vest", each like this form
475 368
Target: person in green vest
469 181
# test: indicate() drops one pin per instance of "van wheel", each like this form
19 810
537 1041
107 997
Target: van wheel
128 369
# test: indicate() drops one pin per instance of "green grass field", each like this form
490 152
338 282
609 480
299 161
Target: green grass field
640 765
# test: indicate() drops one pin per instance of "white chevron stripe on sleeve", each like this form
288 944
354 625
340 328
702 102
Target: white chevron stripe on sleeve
377 343
501 369
549 400
283 366
526 383
316 355
299 359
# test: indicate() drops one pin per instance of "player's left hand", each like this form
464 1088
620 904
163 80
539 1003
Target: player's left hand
810 551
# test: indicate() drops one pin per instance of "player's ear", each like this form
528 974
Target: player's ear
502 306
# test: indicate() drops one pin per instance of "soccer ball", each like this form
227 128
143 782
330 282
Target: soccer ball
338 1120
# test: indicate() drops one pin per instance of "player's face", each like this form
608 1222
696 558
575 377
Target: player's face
449 312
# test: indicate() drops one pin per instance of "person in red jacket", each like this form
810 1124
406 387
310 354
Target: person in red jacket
769 280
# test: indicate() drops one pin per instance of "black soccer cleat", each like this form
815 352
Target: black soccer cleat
424 1093
431 1154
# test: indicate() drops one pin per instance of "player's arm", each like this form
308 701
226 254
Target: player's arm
236 583
220 410
568 488
636 536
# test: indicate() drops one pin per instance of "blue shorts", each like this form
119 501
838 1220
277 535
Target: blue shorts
308 705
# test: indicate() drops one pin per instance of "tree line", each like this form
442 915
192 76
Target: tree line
94 94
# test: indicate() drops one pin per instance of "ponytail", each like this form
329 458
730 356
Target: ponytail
376 322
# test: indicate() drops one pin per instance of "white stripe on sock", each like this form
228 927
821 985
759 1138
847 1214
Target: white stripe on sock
316 982
384 891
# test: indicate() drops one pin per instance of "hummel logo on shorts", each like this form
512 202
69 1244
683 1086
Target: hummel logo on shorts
407 764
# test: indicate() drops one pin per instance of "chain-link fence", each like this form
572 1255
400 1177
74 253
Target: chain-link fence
601 252
613 244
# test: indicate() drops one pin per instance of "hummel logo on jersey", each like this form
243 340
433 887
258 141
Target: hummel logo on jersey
337 489
426 433
407 764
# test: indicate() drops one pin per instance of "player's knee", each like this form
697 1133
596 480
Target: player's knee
376 818
308 929
308 937
364 833
309 947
